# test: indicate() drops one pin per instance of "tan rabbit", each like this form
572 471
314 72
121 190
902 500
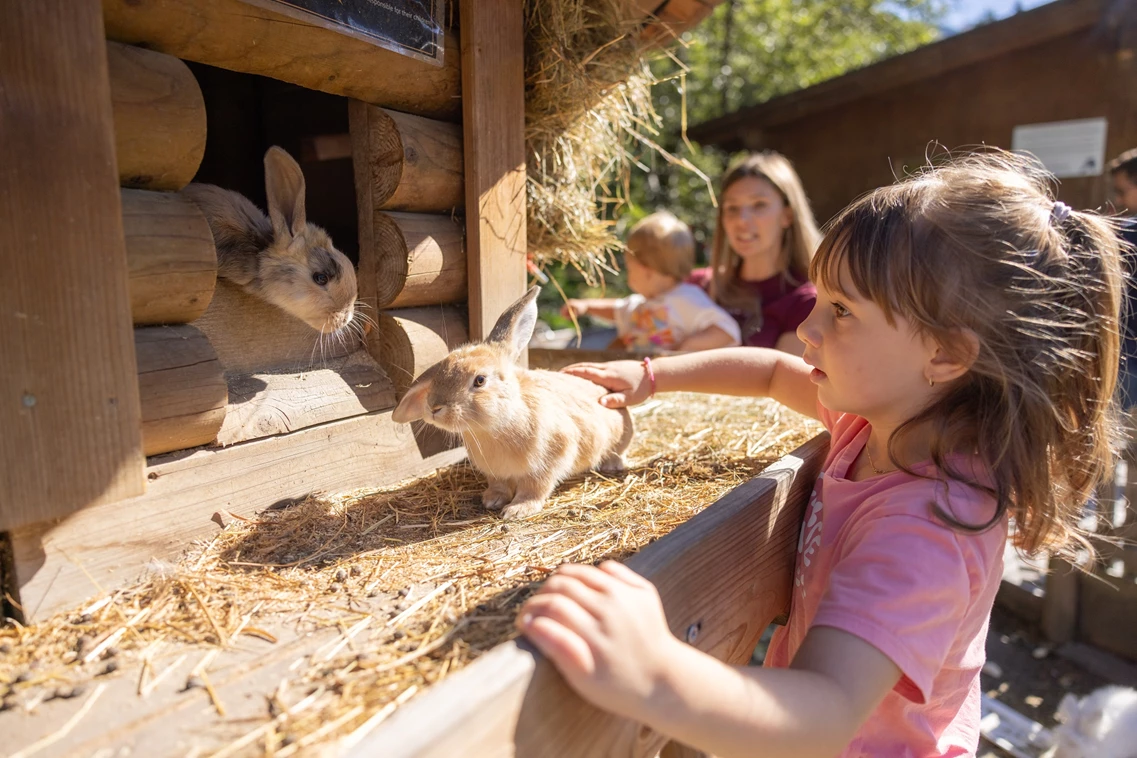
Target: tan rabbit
527 431
280 258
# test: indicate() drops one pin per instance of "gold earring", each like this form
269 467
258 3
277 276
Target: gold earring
931 383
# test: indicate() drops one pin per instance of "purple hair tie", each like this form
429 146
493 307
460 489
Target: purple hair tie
1060 212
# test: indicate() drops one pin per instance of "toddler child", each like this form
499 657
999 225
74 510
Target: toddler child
665 312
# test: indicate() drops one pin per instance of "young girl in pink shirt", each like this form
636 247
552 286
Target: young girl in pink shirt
963 353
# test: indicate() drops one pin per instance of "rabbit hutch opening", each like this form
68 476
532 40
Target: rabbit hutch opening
164 422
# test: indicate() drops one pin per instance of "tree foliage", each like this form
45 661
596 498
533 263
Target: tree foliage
747 52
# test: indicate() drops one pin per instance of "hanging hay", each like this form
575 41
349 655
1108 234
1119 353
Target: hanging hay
418 579
587 109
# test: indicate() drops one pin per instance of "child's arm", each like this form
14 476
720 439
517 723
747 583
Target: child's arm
707 339
747 371
604 629
604 308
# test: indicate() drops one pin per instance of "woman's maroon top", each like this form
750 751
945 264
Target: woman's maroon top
784 307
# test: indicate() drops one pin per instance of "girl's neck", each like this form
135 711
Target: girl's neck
758 268
912 447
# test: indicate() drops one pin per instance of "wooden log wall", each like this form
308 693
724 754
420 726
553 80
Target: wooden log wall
159 118
413 259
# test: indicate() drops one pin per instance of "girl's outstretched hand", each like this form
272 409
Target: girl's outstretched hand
627 382
604 630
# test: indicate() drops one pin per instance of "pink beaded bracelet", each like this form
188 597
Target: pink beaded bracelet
650 374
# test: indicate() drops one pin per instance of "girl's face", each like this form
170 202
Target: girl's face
755 217
862 364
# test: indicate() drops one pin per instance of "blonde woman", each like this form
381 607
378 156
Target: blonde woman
765 236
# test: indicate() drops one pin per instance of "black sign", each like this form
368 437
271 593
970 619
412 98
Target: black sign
410 27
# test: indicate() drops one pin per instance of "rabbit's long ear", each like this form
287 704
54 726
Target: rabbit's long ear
515 327
413 405
284 185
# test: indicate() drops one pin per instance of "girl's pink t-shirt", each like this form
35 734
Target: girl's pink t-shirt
873 560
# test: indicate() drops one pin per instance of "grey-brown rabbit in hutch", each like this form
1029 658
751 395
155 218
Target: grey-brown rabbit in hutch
279 257
526 430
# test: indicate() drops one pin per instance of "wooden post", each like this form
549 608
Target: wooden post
1060 602
69 405
493 125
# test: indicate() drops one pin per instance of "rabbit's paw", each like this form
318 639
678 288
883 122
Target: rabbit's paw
496 495
613 463
521 509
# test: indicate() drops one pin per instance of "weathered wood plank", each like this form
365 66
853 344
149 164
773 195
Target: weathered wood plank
159 118
412 259
57 562
182 388
1060 602
239 36
404 162
69 387
252 336
171 257
261 405
728 571
493 120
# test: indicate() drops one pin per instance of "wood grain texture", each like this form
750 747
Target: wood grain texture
159 118
235 35
493 129
728 570
171 257
411 340
182 388
408 163
251 335
56 562
69 388
262 405
412 259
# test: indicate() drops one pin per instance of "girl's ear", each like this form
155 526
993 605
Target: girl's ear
950 362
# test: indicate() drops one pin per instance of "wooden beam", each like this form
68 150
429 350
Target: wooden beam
69 405
264 404
410 340
411 259
159 118
171 257
241 36
61 563
493 128
726 573
404 162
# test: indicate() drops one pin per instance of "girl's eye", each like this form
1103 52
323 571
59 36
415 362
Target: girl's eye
839 310
479 381
320 278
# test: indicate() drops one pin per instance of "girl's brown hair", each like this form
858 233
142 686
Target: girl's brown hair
798 243
977 253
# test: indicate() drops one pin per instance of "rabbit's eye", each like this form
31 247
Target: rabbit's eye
320 278
479 381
